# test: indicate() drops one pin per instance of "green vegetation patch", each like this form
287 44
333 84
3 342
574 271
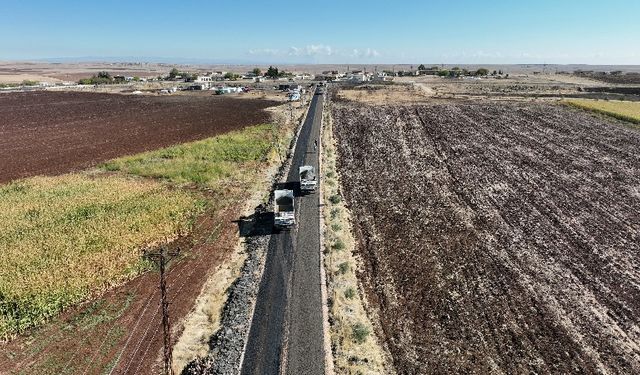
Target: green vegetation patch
204 163
67 237
626 111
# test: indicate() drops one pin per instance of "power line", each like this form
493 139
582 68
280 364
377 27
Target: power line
162 258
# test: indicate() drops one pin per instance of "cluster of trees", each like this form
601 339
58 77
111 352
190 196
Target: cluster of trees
174 73
104 78
272 72
26 82
275 73
231 76
100 78
457 72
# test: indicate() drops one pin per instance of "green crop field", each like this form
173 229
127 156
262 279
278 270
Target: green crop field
69 237
204 163
627 111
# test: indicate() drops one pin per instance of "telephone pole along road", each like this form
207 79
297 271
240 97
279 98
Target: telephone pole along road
287 328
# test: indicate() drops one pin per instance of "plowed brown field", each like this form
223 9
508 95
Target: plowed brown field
496 238
56 132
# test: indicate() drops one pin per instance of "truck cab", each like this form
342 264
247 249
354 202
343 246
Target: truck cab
308 179
284 210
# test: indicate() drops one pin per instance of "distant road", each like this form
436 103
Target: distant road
286 332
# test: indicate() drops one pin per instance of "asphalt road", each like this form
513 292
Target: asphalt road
286 332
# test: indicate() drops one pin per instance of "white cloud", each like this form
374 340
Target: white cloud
264 52
311 50
366 53
318 51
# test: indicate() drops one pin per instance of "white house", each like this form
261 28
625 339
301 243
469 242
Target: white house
205 81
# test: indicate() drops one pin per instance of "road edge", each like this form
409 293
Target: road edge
326 329
281 176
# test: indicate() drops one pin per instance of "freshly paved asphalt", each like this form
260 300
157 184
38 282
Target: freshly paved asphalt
287 330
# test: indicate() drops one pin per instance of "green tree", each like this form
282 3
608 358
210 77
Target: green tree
104 75
482 72
173 73
231 76
272 72
257 71
443 73
422 67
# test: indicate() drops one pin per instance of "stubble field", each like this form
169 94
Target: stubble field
496 238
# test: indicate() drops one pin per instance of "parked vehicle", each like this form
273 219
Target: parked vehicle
283 209
308 179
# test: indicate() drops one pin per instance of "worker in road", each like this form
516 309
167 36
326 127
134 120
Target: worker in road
315 145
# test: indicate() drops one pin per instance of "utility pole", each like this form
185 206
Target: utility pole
162 257
291 110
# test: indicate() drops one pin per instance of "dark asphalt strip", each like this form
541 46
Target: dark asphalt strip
289 304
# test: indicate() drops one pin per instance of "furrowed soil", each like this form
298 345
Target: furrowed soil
496 237
56 132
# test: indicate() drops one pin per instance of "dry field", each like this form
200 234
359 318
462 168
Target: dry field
496 237
632 78
56 132
627 111
109 213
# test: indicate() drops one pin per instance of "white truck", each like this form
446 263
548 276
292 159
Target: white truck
284 211
308 180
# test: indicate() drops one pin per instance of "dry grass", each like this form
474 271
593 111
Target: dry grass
205 317
626 111
67 237
356 349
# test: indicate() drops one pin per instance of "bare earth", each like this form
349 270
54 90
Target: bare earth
57 132
496 237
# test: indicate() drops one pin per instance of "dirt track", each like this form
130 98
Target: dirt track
496 238
56 132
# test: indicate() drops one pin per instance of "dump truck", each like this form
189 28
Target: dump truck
284 212
308 180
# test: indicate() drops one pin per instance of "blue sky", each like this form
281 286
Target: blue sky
540 31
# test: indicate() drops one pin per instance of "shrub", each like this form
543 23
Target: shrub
335 199
349 293
336 227
338 245
334 213
343 267
360 332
